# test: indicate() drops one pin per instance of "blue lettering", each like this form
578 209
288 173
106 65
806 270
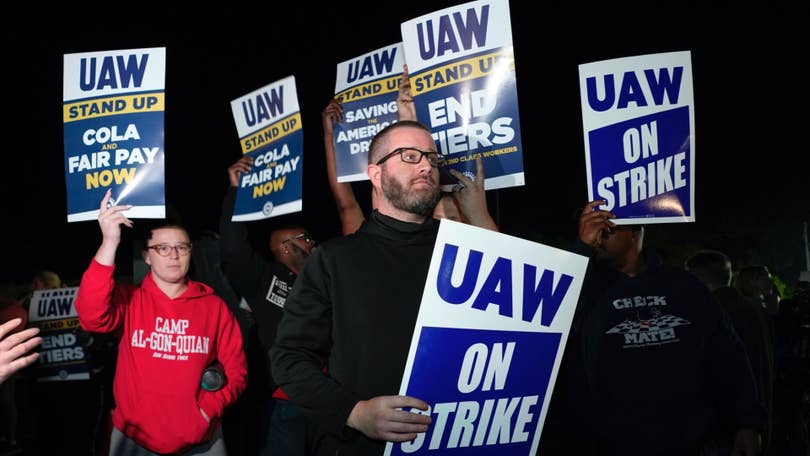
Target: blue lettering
551 299
249 112
672 86
132 71
267 105
372 65
352 75
107 74
54 307
630 91
460 294
664 84
87 79
428 51
129 72
610 94
384 62
469 28
497 289
275 103
447 37
473 27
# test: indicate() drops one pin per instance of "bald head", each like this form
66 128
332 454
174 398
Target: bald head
291 246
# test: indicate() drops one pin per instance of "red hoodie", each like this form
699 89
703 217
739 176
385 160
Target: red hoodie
165 346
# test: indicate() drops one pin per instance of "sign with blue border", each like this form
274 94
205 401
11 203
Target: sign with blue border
113 115
488 341
638 118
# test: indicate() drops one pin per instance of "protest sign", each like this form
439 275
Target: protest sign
113 114
638 117
488 341
268 122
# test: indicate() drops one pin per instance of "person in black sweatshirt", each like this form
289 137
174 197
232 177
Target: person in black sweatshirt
274 425
666 373
354 306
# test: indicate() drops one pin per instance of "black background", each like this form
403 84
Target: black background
751 114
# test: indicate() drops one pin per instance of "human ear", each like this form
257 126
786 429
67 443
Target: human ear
375 174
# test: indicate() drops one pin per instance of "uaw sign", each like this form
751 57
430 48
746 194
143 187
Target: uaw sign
488 341
62 353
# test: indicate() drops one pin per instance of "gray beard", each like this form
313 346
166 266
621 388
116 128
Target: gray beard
421 203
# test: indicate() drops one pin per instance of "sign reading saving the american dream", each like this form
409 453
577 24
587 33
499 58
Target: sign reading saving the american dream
462 72
113 115
367 87
268 122
62 353
488 341
638 117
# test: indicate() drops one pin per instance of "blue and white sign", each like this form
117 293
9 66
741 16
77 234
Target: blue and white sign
113 113
488 341
367 88
638 117
268 122
462 72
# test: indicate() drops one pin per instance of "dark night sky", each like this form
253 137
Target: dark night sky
750 110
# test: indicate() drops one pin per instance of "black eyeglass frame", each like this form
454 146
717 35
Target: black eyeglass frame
437 162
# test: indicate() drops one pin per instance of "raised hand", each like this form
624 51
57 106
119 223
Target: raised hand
332 113
471 197
593 222
110 218
406 110
242 166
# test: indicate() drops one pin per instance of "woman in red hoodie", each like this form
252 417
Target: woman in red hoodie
173 328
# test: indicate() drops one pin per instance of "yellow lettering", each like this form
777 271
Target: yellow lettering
105 178
267 188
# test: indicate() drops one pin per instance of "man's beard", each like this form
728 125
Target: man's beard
418 202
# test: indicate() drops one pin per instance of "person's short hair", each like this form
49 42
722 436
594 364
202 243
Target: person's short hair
167 226
710 266
379 139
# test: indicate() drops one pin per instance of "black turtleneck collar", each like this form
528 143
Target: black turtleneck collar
396 229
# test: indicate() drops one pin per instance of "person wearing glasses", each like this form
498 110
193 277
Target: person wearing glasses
467 202
278 426
353 309
172 329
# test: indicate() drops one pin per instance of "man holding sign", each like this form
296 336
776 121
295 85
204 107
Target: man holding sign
333 317
666 372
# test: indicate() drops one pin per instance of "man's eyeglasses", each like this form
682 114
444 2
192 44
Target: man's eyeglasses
166 249
303 236
413 155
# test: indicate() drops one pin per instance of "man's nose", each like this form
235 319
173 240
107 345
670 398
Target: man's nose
424 165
